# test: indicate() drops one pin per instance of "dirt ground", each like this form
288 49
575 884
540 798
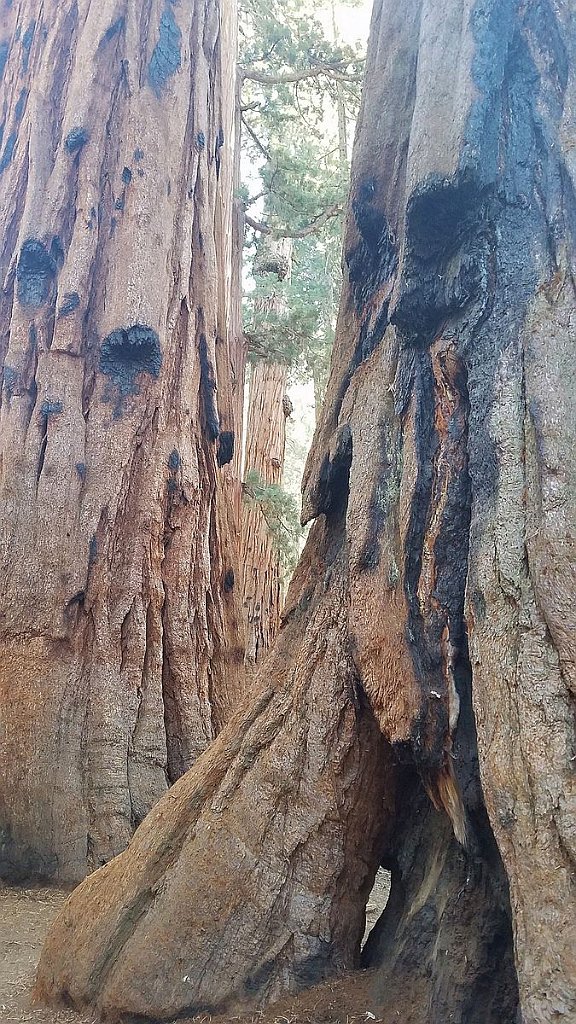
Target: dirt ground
26 914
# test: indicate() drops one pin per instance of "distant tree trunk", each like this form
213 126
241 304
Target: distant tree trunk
435 596
120 637
268 409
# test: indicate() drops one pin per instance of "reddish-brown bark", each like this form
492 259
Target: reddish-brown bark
120 637
268 409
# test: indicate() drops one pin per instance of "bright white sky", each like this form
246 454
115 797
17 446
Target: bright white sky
353 21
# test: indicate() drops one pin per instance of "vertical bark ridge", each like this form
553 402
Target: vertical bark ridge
260 557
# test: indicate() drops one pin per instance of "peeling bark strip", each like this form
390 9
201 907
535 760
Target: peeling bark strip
120 654
436 593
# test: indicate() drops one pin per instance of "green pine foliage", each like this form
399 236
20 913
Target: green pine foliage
280 512
295 174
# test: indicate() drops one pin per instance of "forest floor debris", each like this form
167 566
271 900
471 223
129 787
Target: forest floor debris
26 915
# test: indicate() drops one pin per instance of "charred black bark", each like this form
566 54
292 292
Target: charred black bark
443 947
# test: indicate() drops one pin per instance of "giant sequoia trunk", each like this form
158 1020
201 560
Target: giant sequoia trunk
429 631
119 641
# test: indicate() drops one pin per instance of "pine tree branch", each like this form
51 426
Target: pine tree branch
286 232
335 71
259 145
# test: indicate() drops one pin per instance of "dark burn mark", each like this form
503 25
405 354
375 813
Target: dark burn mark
331 492
120 203
166 56
113 30
76 604
174 460
81 470
4 53
12 381
92 550
208 390
200 140
446 260
225 447
218 147
46 410
51 407
21 105
374 260
77 138
126 175
259 979
8 152
384 498
70 302
27 39
436 547
229 580
35 273
126 353
138 155
57 252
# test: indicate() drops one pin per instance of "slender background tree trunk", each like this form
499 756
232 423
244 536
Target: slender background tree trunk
268 409
120 637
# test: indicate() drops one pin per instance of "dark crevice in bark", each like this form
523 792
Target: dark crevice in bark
333 483
443 948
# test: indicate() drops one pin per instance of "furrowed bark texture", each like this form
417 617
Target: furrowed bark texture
251 876
268 409
437 580
465 210
120 652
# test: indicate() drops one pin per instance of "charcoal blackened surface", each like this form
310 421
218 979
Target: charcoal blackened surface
51 407
443 947
174 460
125 354
112 31
374 259
8 151
4 53
27 40
446 258
208 388
70 302
76 138
331 495
21 105
384 498
35 273
225 452
166 57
